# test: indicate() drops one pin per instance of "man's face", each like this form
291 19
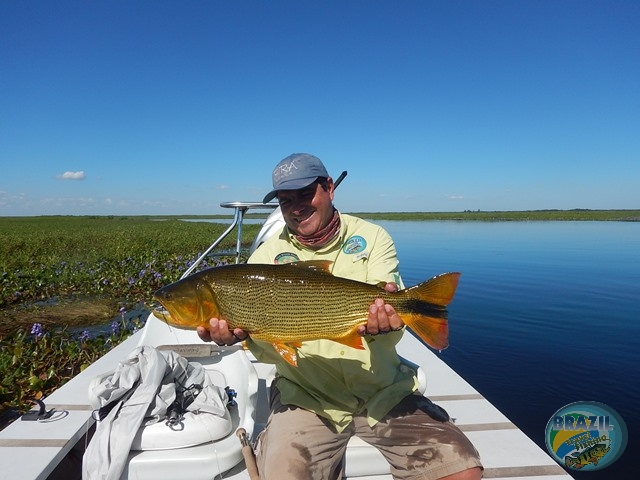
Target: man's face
309 209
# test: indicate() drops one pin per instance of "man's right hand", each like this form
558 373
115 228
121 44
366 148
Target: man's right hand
219 333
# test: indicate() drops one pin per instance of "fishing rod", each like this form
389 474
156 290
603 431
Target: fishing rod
247 453
340 178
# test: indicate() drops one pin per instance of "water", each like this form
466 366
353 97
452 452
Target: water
546 314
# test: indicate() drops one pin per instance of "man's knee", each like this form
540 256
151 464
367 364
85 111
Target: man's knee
474 473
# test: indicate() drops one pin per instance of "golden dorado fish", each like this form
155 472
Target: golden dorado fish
292 303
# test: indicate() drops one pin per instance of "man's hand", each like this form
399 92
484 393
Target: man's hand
219 333
382 316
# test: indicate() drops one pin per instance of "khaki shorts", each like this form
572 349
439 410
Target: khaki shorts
416 438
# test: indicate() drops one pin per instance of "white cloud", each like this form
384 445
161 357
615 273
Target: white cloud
71 176
455 197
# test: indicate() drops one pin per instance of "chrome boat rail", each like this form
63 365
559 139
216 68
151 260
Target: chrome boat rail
240 208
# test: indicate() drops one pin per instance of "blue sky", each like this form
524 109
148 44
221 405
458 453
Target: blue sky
171 107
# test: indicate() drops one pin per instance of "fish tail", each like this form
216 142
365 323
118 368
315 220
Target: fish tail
427 316
438 290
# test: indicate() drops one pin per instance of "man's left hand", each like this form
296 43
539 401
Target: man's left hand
382 316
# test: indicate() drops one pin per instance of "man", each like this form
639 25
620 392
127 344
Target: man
337 391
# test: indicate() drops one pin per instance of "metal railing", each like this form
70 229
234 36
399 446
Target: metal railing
240 208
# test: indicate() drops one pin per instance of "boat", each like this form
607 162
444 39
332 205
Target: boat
49 442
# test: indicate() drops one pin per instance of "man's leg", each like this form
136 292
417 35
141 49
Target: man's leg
298 445
420 442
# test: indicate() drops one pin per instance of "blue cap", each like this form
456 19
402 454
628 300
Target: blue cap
297 171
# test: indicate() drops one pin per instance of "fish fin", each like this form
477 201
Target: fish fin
381 284
434 331
319 266
352 339
287 352
438 290
162 315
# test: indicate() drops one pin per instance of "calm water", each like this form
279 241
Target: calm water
546 314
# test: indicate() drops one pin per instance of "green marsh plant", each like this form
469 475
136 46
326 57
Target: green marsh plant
48 262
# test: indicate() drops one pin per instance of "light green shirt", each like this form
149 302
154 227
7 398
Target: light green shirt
332 379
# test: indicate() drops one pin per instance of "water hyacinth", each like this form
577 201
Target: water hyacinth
34 365
65 257
115 328
37 331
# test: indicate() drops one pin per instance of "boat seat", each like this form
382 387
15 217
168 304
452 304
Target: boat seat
201 439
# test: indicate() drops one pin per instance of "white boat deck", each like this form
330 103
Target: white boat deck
31 450
506 452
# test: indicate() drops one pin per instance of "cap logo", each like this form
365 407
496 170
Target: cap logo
284 170
296 171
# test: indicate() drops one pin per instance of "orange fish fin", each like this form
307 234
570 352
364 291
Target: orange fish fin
287 352
319 266
438 290
433 331
352 339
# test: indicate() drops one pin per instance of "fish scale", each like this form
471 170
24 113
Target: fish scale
289 304
289 311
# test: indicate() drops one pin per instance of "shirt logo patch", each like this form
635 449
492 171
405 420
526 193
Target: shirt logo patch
355 244
286 257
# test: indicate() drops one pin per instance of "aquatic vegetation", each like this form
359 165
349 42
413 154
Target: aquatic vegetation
45 257
575 215
63 258
34 363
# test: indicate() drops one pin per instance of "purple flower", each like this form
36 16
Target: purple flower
115 328
132 280
36 330
84 336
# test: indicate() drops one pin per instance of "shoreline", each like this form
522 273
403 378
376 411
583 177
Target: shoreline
578 214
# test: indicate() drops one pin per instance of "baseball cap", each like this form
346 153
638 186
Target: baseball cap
297 171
